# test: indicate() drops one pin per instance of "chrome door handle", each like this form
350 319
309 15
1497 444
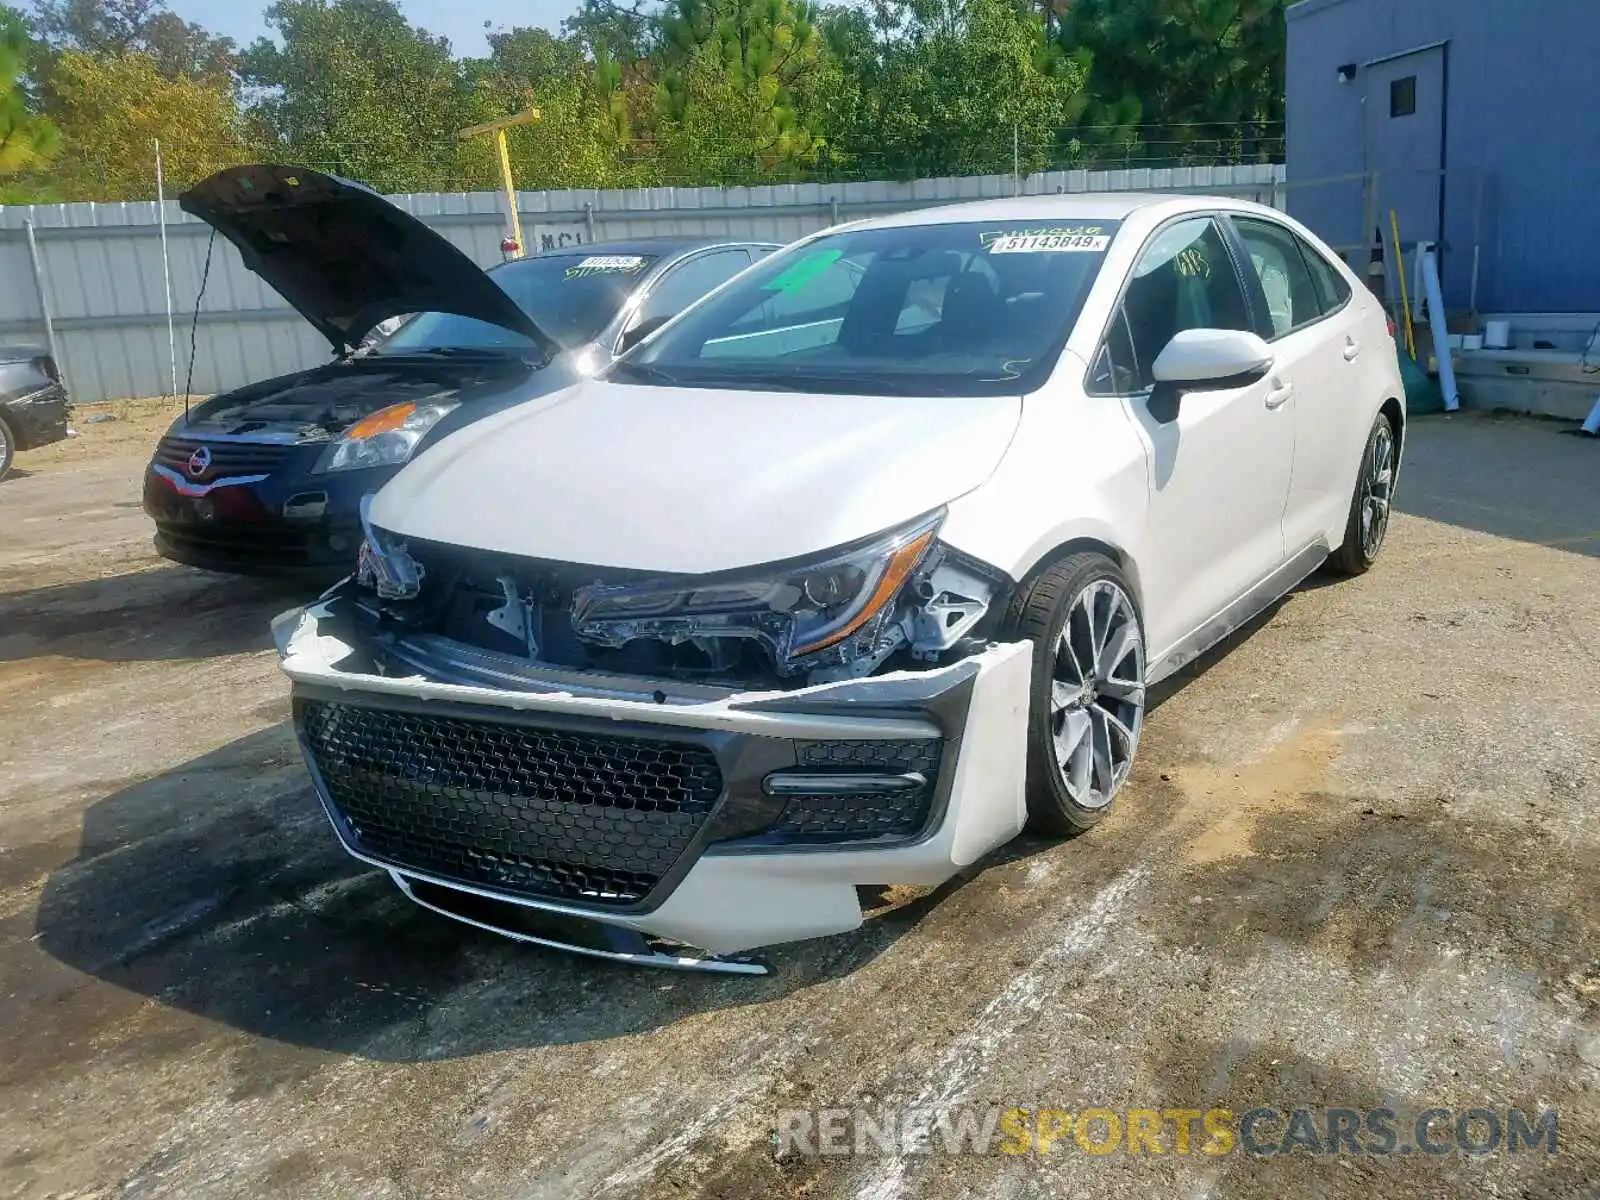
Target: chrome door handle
1352 351
1280 395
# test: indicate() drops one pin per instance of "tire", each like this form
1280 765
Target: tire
1372 501
1099 723
8 449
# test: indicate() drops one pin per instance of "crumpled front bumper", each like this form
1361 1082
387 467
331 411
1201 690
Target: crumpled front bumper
738 884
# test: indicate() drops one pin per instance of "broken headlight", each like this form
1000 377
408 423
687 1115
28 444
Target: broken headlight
800 611
384 439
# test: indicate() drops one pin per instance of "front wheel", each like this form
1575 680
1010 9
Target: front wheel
1088 693
1368 522
8 449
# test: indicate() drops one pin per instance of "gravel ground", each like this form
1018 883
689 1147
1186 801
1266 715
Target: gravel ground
1358 865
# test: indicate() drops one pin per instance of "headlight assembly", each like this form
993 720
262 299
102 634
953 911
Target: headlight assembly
386 438
799 611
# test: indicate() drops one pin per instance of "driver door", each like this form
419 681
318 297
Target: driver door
1220 469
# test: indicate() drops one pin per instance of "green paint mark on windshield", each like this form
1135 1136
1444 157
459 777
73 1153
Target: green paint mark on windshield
803 272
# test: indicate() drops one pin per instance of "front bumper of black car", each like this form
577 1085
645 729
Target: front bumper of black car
38 418
280 521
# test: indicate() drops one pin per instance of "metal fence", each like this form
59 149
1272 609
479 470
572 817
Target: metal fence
90 279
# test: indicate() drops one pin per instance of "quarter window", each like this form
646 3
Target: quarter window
1333 292
1292 297
1185 280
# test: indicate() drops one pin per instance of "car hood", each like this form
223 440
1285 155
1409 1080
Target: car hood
344 256
683 480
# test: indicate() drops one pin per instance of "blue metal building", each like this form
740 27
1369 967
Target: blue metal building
1476 121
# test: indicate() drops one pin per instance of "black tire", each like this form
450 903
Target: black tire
1038 612
8 449
1359 552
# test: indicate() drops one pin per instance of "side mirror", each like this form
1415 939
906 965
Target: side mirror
642 330
1206 360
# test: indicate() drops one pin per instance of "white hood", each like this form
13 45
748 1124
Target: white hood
694 480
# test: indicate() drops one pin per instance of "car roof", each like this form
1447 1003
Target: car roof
1081 206
656 246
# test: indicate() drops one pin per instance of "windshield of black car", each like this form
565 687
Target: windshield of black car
571 297
975 308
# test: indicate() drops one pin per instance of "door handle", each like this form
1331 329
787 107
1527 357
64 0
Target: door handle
1352 350
1281 393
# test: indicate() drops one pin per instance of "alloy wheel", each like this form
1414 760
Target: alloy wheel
1097 693
1377 491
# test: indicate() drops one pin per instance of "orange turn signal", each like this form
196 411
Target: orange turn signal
385 420
901 563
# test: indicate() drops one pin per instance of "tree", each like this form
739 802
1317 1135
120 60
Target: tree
110 109
944 87
740 89
357 90
27 140
113 27
581 127
1203 78
622 32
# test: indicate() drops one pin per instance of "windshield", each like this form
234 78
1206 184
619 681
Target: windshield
569 296
980 308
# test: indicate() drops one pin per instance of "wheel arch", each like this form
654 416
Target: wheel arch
1054 552
1396 412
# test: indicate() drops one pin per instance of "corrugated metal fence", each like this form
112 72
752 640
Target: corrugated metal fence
99 267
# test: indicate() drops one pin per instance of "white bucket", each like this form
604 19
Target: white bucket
1472 341
1497 335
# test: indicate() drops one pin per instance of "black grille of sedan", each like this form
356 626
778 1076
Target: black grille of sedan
512 808
221 460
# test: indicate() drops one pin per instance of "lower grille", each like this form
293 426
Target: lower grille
889 813
529 811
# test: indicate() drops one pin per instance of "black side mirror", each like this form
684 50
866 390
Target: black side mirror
1163 403
641 331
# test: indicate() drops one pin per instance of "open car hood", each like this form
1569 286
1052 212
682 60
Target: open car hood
344 256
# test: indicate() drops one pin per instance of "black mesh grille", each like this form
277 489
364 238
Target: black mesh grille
228 459
539 812
897 813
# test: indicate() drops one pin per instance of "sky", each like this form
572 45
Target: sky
462 21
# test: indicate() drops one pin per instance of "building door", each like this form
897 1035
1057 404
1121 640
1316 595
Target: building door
1405 142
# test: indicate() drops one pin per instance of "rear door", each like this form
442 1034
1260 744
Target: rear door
1306 314
1220 471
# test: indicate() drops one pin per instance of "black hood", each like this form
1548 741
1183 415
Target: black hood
344 256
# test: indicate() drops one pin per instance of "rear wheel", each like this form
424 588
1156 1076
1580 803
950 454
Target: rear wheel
8 449
1088 692
1370 506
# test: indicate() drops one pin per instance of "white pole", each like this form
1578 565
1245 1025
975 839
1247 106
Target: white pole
1441 334
166 269
1016 163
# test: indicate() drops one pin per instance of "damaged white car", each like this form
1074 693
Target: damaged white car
847 574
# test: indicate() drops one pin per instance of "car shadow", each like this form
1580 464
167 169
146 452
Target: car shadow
168 612
218 888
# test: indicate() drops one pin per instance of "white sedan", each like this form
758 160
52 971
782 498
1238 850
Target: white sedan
846 574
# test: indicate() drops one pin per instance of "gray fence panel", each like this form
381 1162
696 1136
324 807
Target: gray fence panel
103 271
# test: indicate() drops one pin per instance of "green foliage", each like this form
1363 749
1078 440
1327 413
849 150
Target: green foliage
110 110
357 90
1204 78
107 28
27 140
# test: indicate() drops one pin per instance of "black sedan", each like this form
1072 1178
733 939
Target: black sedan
33 402
268 479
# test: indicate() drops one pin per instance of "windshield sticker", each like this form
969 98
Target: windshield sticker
606 264
803 272
1080 239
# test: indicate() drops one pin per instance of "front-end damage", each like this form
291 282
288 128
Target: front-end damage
665 770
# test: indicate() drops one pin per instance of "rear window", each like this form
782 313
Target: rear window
571 297
975 308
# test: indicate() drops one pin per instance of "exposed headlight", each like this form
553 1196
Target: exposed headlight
384 439
799 610
383 564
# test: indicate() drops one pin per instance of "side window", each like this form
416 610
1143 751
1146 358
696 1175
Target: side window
687 282
1185 280
1333 291
1292 299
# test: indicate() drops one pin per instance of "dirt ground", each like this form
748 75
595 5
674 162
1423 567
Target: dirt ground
1358 865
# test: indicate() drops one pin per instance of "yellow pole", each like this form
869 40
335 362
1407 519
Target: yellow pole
1405 300
511 191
